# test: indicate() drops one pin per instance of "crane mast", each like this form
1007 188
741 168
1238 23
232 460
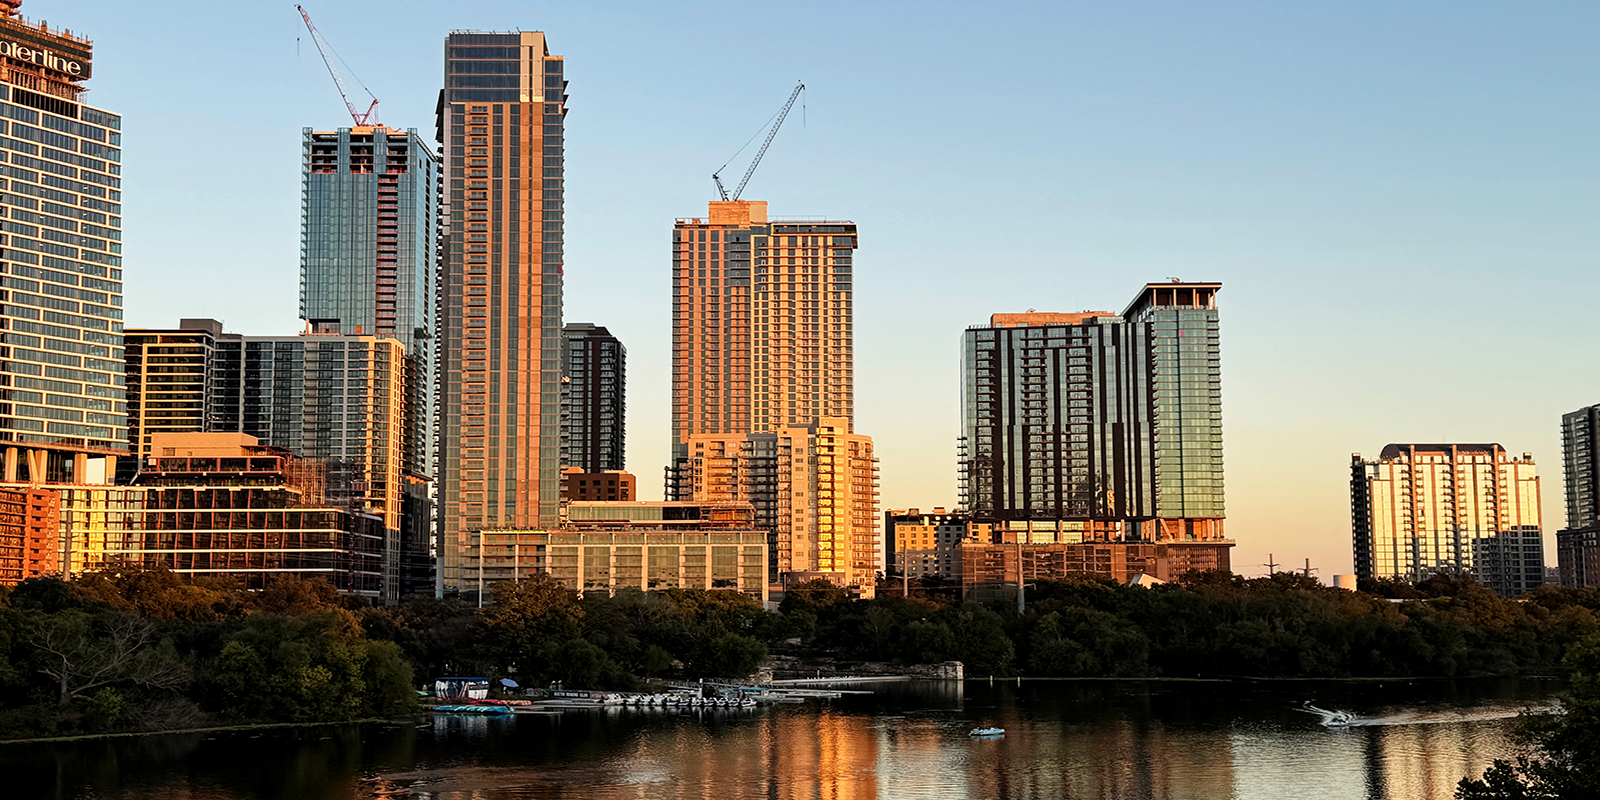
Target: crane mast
370 117
716 177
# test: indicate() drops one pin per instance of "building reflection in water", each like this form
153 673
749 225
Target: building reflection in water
1428 759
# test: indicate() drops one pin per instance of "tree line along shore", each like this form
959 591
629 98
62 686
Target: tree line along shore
149 651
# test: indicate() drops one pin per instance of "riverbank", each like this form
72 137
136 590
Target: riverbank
250 726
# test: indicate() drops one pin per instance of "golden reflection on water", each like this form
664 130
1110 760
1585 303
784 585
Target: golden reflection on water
829 754
1078 741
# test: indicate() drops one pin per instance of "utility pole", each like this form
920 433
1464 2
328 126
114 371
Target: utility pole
1307 570
1272 566
905 577
1022 580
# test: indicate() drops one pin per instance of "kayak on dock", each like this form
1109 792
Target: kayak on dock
492 710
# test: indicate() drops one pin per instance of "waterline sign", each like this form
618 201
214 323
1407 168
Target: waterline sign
38 55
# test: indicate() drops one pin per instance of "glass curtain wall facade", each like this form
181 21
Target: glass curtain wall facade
501 119
368 243
61 350
1111 419
593 399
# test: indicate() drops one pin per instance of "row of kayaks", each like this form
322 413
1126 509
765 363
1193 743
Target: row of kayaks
486 709
669 700
987 732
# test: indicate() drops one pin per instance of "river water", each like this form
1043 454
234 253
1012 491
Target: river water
1064 739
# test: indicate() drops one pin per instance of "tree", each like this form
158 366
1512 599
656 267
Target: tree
526 617
814 596
1568 763
80 654
733 656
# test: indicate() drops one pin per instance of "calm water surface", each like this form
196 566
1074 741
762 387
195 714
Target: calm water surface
1063 740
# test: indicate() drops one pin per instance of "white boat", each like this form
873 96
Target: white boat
1331 719
990 731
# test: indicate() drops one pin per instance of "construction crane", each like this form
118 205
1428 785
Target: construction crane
370 117
716 177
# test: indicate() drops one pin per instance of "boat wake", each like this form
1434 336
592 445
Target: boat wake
1346 719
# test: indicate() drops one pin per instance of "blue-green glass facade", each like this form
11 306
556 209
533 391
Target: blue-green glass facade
368 246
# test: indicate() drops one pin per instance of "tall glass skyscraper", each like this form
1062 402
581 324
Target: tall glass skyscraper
501 118
62 401
1112 421
368 248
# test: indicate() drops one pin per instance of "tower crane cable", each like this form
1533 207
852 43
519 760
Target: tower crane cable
361 119
756 161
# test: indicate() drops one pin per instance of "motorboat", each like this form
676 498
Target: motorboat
1331 719
987 732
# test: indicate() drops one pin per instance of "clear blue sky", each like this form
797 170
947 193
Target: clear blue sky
1398 197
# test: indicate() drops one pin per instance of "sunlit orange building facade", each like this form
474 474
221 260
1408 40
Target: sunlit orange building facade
763 398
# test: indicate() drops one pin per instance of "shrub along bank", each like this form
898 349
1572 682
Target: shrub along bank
147 651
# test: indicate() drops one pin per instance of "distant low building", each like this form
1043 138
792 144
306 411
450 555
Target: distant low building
992 569
611 485
606 546
924 544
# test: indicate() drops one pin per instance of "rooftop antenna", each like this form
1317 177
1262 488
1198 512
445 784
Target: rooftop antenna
362 119
716 177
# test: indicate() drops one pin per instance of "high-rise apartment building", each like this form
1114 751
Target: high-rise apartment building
30 534
369 216
1113 421
501 120
1578 544
1459 509
762 318
594 375
763 402
61 394
170 389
